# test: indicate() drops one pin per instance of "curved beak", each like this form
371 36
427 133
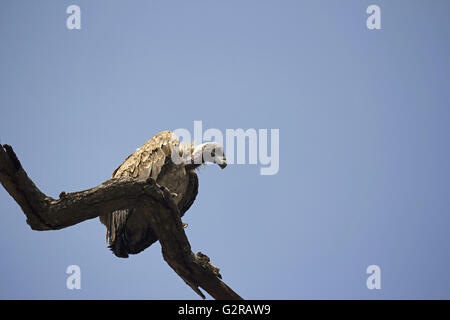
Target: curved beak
221 162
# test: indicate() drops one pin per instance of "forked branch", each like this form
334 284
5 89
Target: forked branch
45 213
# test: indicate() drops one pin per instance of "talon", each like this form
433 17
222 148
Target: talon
185 224
174 195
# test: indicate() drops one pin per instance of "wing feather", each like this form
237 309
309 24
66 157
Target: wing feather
153 153
146 162
191 193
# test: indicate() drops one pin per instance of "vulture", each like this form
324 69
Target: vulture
128 231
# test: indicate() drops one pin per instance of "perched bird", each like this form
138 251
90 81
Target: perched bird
171 164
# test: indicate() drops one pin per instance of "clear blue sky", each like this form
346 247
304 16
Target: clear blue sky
364 141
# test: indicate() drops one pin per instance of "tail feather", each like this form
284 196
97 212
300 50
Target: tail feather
133 236
119 247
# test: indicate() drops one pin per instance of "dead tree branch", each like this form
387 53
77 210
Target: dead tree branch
45 213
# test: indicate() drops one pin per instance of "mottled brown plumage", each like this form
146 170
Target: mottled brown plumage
129 231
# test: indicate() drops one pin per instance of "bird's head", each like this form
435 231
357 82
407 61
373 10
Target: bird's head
210 152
